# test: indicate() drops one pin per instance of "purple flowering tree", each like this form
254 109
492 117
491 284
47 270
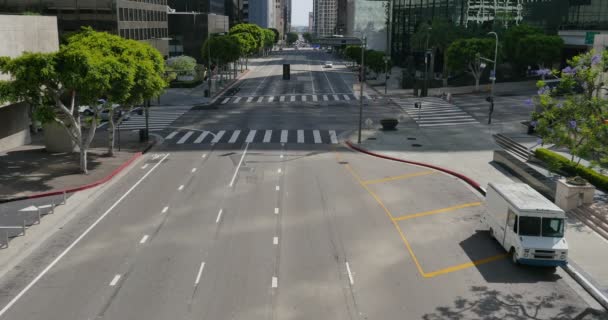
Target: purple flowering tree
573 114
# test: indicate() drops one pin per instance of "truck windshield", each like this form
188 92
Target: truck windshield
553 227
529 226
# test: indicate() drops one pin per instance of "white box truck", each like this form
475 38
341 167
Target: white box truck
526 224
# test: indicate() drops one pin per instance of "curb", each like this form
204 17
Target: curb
576 275
466 179
587 285
235 81
83 187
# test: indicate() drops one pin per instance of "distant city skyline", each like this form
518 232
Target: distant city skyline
299 12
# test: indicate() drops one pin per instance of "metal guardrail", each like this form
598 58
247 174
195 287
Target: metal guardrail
513 147
27 222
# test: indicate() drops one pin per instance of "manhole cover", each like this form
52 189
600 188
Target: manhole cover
410 138
416 145
372 138
343 162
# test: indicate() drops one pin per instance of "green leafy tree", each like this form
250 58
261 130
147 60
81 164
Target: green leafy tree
512 43
353 53
463 55
440 35
269 40
577 121
374 60
539 49
291 38
138 69
182 65
66 78
254 30
277 35
307 36
224 50
246 45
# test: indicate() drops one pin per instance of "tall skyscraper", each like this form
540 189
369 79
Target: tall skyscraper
325 17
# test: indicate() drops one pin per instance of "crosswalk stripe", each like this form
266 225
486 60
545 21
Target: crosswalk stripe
249 99
235 135
300 136
260 99
271 99
201 137
284 136
293 98
171 135
225 100
366 96
237 99
357 97
317 136
325 98
185 137
333 137
315 98
282 99
336 97
267 136
304 98
218 136
250 136
346 97
448 124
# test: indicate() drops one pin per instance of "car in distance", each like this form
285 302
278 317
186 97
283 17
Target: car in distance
328 64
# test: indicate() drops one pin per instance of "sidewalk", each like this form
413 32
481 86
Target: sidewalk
194 96
29 169
500 88
468 150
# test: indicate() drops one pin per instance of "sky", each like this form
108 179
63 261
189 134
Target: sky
299 12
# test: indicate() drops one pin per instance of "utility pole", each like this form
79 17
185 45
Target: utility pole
210 74
362 86
386 58
426 64
147 107
493 78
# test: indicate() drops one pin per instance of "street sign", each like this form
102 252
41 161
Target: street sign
590 37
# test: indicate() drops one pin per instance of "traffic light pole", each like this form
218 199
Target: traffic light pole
362 86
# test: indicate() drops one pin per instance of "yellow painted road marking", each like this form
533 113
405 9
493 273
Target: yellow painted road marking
407 243
405 176
428 213
464 265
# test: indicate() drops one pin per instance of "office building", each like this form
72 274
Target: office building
19 34
366 18
550 15
325 17
286 16
202 6
262 13
311 22
144 20
234 11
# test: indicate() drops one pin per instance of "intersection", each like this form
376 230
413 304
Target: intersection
254 210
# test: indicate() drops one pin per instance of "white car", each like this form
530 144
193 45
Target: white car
328 64
105 114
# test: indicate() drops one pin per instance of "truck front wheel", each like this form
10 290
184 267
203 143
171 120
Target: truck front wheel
514 256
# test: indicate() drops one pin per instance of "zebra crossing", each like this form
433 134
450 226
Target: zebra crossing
435 112
329 97
159 118
181 137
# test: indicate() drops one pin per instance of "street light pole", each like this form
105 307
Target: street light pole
210 75
385 75
493 78
147 107
362 86
426 64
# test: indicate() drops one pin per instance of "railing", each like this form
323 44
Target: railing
513 147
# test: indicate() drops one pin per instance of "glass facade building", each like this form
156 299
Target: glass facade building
367 18
550 15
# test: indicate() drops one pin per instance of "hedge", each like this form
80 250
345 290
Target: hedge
185 84
597 179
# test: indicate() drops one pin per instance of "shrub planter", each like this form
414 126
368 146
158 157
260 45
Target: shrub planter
389 124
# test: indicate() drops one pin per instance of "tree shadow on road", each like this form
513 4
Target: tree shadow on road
492 304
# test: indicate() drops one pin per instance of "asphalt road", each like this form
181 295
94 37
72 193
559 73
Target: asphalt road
271 230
